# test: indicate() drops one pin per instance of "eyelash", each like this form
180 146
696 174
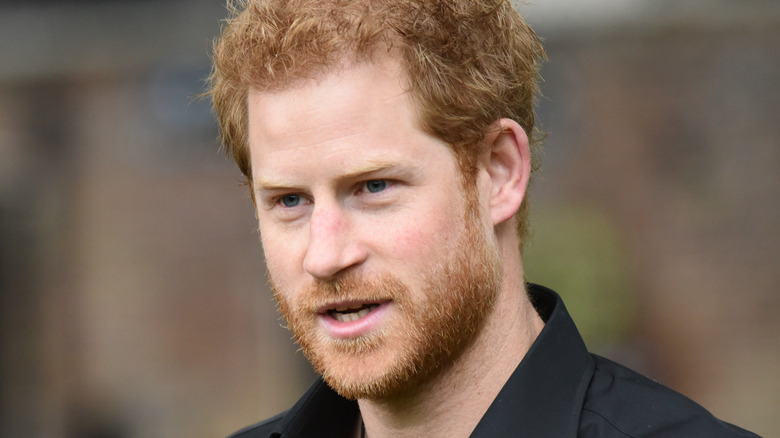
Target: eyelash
365 184
281 199
362 187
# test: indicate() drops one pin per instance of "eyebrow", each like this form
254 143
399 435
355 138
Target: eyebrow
400 169
377 166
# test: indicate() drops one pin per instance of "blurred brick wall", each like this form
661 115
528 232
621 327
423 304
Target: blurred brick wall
132 290
672 134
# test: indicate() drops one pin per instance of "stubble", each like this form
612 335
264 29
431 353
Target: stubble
426 332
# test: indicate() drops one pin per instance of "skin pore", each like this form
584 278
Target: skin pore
362 211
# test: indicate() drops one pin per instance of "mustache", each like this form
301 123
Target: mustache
350 287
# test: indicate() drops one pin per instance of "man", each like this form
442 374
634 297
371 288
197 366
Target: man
388 148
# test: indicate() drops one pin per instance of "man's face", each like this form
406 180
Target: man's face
381 275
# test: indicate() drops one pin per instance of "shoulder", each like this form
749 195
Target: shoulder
263 429
623 403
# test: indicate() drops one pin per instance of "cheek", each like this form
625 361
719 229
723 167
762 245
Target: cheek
421 240
280 259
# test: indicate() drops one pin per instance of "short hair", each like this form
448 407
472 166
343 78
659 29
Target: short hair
468 63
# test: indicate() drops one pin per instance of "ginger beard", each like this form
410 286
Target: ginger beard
428 329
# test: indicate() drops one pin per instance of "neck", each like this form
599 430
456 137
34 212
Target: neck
454 401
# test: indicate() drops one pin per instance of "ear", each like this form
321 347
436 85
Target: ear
508 165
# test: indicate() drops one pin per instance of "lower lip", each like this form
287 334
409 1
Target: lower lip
353 329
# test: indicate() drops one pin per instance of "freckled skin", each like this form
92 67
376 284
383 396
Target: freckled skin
409 236
457 321
307 137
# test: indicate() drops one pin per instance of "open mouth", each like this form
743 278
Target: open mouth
351 312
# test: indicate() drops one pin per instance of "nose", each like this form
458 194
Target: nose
333 246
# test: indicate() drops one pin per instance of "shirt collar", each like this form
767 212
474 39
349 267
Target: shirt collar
545 394
543 397
320 412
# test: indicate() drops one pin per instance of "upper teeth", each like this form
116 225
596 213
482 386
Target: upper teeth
351 307
352 316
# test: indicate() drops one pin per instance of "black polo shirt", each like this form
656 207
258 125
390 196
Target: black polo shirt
557 390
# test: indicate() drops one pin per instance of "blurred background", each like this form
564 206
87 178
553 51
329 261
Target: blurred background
133 299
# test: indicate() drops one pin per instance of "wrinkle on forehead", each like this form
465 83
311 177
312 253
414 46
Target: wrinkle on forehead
301 111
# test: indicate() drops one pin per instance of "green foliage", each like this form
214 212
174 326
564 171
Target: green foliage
579 253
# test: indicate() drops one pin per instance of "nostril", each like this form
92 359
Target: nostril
325 261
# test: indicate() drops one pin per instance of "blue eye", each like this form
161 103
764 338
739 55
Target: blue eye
376 185
291 200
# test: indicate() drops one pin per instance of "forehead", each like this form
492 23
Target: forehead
345 126
351 96
360 113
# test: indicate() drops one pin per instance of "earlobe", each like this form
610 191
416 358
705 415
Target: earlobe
509 169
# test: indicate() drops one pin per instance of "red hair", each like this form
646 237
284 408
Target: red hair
468 62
